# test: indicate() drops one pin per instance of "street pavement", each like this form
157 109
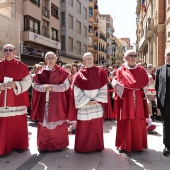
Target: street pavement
109 159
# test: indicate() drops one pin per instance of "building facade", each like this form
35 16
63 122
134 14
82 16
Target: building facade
39 27
152 30
74 30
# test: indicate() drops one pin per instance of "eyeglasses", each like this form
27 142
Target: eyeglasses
8 50
133 56
149 67
168 55
50 58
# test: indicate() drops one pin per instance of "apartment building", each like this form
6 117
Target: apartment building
97 33
74 30
39 27
109 36
153 30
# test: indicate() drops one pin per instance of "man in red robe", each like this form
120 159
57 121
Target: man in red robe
90 92
50 105
14 83
130 108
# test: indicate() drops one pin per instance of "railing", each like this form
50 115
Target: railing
46 35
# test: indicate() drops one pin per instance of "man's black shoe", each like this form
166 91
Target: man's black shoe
20 150
166 151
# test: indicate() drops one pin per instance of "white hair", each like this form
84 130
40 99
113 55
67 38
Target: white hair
128 52
167 51
9 45
50 52
87 54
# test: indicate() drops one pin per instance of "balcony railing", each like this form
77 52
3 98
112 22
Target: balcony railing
46 35
32 30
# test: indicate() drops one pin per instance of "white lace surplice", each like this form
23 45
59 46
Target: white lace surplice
56 88
82 97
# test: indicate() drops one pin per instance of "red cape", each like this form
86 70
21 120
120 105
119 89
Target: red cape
58 101
131 79
16 70
90 78
94 78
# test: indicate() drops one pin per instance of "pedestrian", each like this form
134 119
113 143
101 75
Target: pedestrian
14 83
130 108
50 105
90 92
162 87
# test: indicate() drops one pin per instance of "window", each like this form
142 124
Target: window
62 18
31 24
90 27
85 31
54 34
78 27
70 44
54 11
70 21
78 7
90 11
36 2
45 29
78 49
63 45
90 41
45 12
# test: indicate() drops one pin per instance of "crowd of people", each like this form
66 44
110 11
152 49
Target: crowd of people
76 98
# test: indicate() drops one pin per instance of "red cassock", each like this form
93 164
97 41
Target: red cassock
131 110
57 138
13 127
89 133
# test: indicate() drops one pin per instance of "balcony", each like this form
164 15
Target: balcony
55 38
36 38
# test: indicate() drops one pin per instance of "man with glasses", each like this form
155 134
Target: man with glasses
14 83
130 108
162 86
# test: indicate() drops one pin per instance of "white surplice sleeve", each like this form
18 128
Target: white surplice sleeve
56 87
117 87
80 97
23 85
102 95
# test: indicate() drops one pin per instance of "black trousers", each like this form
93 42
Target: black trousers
165 113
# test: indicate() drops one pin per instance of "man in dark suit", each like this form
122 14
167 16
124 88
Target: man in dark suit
162 86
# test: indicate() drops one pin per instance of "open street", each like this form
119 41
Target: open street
109 159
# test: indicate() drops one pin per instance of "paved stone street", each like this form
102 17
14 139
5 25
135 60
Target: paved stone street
108 159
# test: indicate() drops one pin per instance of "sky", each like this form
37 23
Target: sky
124 17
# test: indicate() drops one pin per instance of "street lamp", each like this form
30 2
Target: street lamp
114 48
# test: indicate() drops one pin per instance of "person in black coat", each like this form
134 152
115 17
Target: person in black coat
162 87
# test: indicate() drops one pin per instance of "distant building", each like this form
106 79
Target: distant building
74 30
39 27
